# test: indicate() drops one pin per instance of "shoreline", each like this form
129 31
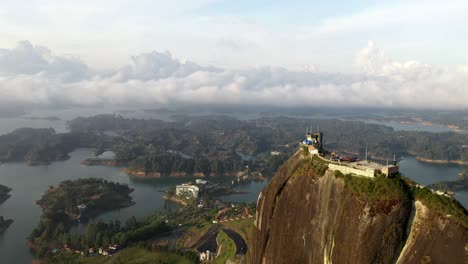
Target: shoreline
437 161
175 200
142 174
457 162
99 162
419 121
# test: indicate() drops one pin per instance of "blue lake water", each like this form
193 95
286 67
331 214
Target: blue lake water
428 173
29 183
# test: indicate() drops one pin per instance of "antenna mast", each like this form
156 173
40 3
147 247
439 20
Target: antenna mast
366 151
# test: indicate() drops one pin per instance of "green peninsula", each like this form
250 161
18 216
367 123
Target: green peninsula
75 201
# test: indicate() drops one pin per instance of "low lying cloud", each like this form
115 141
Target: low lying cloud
32 76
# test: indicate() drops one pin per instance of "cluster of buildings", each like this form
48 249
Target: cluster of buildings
365 168
314 144
230 214
207 256
190 191
111 250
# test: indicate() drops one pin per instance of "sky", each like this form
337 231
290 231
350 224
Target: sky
395 54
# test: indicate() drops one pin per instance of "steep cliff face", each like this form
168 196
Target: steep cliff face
434 239
305 217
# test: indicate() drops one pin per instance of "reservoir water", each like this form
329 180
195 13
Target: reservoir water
29 183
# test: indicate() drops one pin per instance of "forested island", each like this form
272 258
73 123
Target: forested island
461 184
73 201
38 146
4 223
4 190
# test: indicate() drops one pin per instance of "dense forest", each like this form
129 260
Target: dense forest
221 145
209 134
60 207
43 145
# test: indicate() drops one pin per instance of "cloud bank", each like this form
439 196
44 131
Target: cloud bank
33 76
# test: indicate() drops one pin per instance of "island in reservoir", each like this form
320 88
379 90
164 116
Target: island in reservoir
71 202
4 223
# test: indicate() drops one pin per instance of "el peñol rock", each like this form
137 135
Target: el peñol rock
308 214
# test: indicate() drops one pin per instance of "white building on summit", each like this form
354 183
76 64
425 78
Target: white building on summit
365 168
346 165
313 142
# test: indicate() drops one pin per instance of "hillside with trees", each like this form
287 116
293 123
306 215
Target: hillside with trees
222 145
73 201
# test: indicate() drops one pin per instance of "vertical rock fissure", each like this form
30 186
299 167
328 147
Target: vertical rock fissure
277 196
409 227
336 223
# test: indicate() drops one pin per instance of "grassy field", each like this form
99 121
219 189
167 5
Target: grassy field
227 248
136 256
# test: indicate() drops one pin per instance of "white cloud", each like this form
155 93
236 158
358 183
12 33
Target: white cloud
34 76
28 59
156 65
